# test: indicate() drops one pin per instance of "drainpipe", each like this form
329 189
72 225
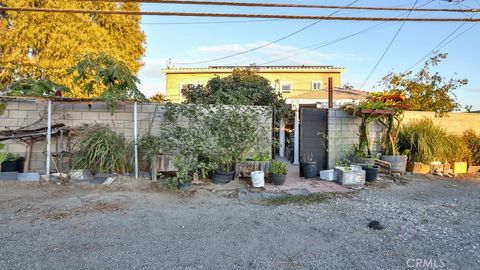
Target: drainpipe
282 138
135 137
49 137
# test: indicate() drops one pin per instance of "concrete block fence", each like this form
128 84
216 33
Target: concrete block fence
20 113
343 130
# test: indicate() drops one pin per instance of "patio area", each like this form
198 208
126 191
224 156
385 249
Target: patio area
294 184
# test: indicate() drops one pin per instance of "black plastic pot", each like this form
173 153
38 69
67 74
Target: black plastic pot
13 165
279 179
309 169
371 173
221 177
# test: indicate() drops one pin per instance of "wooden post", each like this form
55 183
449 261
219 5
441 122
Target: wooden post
330 92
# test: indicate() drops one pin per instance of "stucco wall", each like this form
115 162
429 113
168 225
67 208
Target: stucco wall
301 81
343 129
22 112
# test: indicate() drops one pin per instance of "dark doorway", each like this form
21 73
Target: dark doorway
313 136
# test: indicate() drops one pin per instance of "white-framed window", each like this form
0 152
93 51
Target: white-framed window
286 87
317 85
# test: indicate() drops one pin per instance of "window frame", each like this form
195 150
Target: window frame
316 82
285 83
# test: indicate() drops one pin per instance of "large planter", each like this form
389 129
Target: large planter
350 176
13 165
363 160
309 169
371 173
244 168
398 163
279 179
222 177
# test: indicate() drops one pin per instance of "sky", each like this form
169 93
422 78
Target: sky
192 39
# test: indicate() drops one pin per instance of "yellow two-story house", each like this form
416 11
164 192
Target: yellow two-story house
291 81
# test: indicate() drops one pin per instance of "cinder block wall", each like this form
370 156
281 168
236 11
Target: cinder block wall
343 133
343 130
20 113
455 122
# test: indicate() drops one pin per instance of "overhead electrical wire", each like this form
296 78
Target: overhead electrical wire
444 42
281 5
317 46
261 46
234 15
255 21
215 22
386 49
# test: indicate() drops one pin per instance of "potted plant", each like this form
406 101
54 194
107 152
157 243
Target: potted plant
371 172
279 172
347 174
10 162
225 170
309 167
258 162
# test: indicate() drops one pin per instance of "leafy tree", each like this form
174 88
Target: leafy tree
101 73
426 91
158 98
42 45
34 88
242 87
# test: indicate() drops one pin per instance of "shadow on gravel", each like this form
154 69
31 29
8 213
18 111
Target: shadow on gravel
303 199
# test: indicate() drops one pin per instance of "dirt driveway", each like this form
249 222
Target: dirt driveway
428 224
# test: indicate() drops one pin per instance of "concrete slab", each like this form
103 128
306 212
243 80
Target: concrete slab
8 176
29 177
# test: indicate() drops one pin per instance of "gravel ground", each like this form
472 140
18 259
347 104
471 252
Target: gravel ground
429 223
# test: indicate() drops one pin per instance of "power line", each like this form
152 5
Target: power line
216 22
386 49
325 44
279 5
441 45
264 45
234 15
254 21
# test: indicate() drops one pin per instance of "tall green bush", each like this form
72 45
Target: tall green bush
102 150
425 142
472 139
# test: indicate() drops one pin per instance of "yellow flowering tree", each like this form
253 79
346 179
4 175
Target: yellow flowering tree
44 45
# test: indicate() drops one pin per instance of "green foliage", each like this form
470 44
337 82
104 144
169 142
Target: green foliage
149 146
213 137
6 156
102 150
260 157
114 78
426 91
279 168
242 87
472 139
425 142
29 87
3 106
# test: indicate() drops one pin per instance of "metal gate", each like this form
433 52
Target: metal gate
313 136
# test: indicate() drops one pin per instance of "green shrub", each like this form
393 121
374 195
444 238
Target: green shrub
472 140
279 168
425 142
103 150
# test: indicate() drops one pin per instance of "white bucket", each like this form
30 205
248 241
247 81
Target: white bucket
258 178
